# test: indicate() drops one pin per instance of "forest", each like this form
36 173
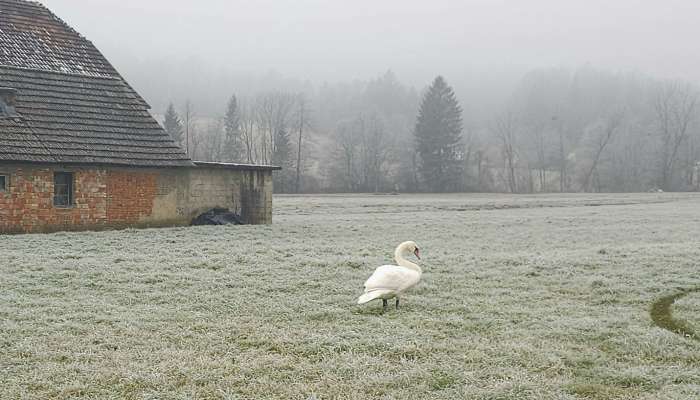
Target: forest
555 130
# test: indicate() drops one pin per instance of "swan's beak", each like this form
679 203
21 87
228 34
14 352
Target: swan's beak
417 253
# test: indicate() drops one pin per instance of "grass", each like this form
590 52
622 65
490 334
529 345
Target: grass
523 297
662 315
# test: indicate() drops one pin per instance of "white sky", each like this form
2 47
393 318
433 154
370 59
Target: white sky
340 39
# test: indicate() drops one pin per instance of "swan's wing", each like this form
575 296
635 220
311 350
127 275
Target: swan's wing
390 277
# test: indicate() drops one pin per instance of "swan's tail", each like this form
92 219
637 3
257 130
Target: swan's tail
369 296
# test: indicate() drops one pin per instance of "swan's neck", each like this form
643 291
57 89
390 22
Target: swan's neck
405 263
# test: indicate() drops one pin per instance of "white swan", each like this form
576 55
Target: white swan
389 281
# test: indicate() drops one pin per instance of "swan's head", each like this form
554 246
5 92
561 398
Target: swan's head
407 248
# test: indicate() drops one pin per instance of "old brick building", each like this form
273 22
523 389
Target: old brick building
79 149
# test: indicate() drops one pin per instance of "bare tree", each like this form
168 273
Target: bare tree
247 126
541 151
302 125
480 170
611 126
375 148
189 122
195 142
346 150
264 110
233 145
273 117
471 145
214 142
562 156
504 127
691 162
675 108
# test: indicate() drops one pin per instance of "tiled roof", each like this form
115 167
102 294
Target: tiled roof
76 119
74 106
33 37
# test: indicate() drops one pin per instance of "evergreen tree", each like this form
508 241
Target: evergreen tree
232 127
173 124
438 135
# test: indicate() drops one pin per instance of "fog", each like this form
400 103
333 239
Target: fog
538 95
471 42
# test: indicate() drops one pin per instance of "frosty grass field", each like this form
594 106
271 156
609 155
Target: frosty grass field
523 297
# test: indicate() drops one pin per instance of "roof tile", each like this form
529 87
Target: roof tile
74 106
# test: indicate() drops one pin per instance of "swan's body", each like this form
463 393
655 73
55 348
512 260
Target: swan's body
391 281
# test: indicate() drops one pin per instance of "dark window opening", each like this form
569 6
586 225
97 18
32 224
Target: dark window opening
3 183
62 189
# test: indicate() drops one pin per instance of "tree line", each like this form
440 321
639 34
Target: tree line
560 130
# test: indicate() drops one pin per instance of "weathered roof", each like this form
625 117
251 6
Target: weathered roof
74 106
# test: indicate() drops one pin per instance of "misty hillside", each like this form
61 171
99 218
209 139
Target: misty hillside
553 97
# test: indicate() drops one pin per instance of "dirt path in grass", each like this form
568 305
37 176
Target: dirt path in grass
662 315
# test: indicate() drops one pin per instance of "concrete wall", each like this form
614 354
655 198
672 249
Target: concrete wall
187 193
130 197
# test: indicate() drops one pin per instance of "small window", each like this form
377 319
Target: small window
8 99
4 183
62 189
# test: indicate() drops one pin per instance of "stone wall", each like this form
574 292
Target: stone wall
129 197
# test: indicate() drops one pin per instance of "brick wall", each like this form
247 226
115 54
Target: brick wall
27 205
120 197
130 196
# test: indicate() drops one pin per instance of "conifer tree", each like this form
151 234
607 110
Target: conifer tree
438 134
173 124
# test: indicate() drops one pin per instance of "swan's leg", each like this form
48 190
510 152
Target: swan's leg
397 303
385 304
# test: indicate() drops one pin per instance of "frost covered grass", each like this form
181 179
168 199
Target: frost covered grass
523 297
